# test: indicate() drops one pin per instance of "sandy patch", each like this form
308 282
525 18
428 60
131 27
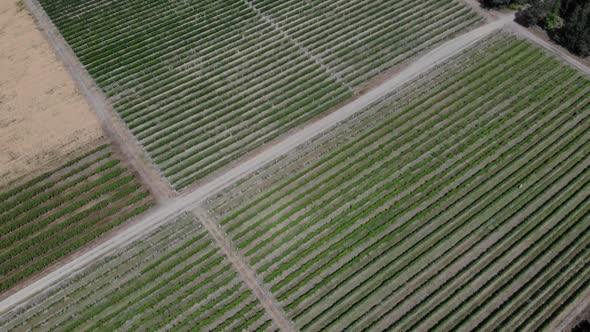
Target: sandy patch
42 116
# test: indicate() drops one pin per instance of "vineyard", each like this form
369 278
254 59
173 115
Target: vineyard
201 83
450 193
459 203
48 217
174 279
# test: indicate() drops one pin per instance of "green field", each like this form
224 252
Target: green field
48 217
460 202
200 83
175 279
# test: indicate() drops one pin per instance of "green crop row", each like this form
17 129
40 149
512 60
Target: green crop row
169 279
204 83
556 264
438 183
373 158
342 153
380 231
484 173
34 210
60 211
15 196
498 222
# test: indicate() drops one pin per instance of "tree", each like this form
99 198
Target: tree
575 34
583 326
552 15
536 12
566 21
502 3
526 18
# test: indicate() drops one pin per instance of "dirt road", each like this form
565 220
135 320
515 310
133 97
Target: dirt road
252 281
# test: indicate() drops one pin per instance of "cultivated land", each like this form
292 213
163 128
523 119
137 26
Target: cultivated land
202 83
45 218
176 279
61 183
459 202
42 117
167 210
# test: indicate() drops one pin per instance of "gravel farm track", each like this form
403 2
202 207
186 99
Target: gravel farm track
274 310
171 204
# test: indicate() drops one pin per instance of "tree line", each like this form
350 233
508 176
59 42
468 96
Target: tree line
583 326
566 21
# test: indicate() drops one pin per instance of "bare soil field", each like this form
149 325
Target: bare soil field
42 116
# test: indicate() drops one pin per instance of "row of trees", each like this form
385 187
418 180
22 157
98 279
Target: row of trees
566 21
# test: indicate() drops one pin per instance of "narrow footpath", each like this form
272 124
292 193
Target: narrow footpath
252 281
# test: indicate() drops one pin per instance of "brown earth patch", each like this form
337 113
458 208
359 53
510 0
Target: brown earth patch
43 117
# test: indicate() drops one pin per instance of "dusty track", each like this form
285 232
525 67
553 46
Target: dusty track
191 200
112 125
252 281
303 49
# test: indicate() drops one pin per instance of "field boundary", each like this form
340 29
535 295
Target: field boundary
112 125
303 49
190 200
247 274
